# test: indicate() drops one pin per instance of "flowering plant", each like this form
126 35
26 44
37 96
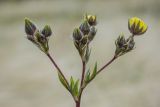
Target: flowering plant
82 37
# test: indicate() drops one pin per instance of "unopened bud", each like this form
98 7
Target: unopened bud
40 38
77 34
85 27
91 19
92 33
120 45
137 26
84 40
47 31
41 41
30 28
123 46
130 43
120 42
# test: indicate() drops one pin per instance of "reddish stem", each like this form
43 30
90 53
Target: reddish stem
83 72
78 104
59 70
102 68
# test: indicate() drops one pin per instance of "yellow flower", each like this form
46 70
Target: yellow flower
137 26
91 19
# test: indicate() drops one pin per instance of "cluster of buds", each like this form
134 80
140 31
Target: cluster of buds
38 37
124 45
83 35
136 27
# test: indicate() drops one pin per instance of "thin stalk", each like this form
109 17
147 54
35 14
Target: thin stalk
81 85
78 104
103 67
83 72
59 70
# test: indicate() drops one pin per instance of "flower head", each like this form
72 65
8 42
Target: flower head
137 26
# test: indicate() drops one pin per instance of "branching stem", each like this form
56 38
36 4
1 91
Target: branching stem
82 82
102 68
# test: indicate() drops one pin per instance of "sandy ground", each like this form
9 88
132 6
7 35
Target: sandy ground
28 79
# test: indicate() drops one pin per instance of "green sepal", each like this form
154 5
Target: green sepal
88 53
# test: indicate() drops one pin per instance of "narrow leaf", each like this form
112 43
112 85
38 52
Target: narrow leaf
71 83
75 88
62 80
94 71
87 77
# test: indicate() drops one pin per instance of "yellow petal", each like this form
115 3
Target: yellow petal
138 23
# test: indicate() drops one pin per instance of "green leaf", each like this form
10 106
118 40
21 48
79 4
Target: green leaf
63 81
94 71
87 77
71 83
75 88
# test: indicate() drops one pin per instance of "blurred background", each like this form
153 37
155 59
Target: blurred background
28 79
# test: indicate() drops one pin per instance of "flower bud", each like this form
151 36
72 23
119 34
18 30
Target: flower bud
120 42
40 38
120 45
77 34
30 28
130 43
92 33
123 46
91 19
47 31
136 26
85 27
41 41
84 40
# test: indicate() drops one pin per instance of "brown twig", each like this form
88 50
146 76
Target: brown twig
103 67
